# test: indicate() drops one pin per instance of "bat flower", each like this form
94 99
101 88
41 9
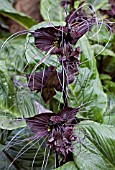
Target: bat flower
58 39
48 39
58 127
46 82
71 62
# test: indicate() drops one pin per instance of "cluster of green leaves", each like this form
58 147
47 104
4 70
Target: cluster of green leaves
92 88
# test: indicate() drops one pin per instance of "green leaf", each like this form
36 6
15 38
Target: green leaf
27 154
26 103
87 88
94 149
13 55
97 4
51 10
68 166
7 10
100 34
16 100
105 77
10 122
99 49
2 147
4 162
109 120
110 85
111 104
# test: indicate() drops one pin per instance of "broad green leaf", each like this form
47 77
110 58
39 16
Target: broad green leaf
7 10
99 49
111 105
97 4
13 54
16 100
105 77
110 85
68 166
87 88
51 10
94 149
110 120
26 103
4 162
10 122
27 151
2 147
100 34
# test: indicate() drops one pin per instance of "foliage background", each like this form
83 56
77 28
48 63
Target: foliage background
94 86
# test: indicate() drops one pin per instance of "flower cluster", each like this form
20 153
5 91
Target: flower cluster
58 127
58 40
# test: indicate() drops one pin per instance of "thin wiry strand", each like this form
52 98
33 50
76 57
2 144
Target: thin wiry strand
13 142
2 133
85 4
20 154
35 55
45 152
37 152
98 29
63 89
48 11
81 103
16 101
64 86
97 143
43 78
8 145
17 34
39 63
109 38
47 159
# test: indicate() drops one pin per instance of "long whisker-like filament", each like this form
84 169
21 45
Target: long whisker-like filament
14 138
37 152
42 168
12 37
19 154
47 159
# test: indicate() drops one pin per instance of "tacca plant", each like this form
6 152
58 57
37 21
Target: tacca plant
53 116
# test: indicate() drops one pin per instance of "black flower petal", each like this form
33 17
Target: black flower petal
48 39
46 82
58 127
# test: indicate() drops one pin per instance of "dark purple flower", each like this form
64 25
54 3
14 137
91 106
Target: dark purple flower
48 39
58 127
46 82
59 38
71 62
111 12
